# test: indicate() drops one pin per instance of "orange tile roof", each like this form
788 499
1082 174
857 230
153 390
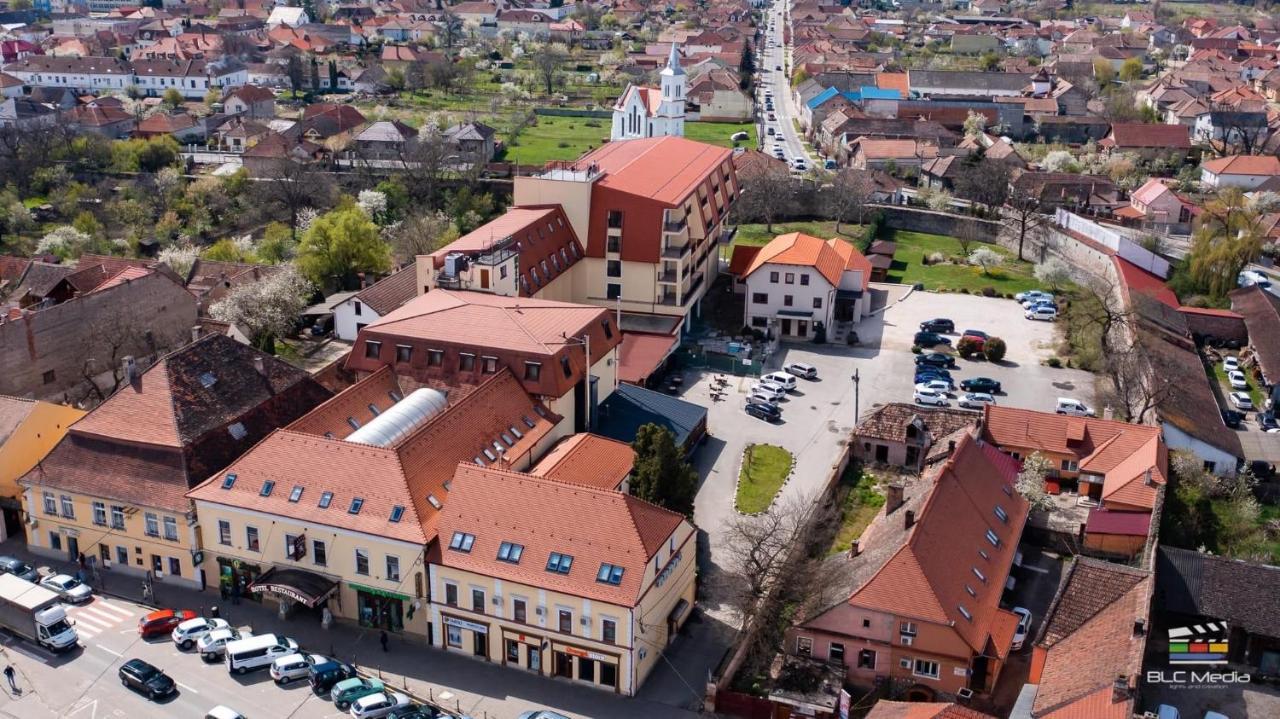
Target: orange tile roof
1003 626
894 81
743 256
665 169
1121 452
641 353
829 258
885 709
1244 165
353 402
589 460
121 277
927 577
594 526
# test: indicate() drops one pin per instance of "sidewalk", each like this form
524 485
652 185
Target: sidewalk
457 683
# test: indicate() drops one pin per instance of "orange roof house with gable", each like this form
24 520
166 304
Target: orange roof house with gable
798 283
917 601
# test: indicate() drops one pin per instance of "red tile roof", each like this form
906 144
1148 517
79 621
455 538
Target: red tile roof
829 257
1261 311
543 238
666 169
391 292
589 460
594 526
1105 521
641 353
885 709
1139 280
121 277
1148 136
743 256
1244 165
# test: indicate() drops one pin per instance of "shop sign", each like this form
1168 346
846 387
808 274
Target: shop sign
299 548
282 590
464 624
586 654
668 570
378 592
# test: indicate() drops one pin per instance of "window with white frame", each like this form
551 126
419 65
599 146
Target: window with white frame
804 646
925 668
152 525
50 504
68 507
393 568
171 529
100 514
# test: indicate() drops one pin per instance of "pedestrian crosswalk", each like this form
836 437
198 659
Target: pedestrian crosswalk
100 615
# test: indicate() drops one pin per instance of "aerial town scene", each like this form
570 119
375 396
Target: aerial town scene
624 359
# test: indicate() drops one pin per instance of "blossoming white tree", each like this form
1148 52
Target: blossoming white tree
267 309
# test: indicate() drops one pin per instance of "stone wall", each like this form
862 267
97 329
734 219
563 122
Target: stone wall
914 219
146 316
1223 327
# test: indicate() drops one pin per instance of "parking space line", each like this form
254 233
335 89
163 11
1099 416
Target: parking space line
108 651
184 686
1033 568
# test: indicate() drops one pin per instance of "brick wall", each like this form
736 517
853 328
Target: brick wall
1227 328
154 312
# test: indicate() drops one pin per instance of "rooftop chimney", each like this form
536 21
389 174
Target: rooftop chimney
1120 689
910 519
128 368
259 365
1139 627
1108 412
951 447
892 498
1149 479
855 549
196 331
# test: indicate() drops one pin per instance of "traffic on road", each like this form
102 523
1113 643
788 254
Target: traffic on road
776 107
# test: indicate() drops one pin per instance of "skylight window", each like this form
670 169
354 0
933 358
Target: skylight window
537 408
356 504
970 591
267 486
510 552
396 513
497 447
237 431
1008 490
395 396
207 380
506 439
228 481
431 499
978 573
490 455
515 432
462 541
355 423
325 499
374 409
296 493
964 612
991 537
1002 515
478 460
527 422
560 563
610 574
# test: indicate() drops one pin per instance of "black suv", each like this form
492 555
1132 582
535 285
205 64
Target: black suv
141 676
936 359
1232 418
981 384
930 339
325 674
765 412
941 324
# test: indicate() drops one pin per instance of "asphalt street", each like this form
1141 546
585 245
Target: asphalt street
777 81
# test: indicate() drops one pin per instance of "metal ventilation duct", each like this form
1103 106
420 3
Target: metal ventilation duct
401 419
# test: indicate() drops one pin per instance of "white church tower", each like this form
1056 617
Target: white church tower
653 111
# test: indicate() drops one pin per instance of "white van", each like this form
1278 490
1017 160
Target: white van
783 379
257 652
1074 407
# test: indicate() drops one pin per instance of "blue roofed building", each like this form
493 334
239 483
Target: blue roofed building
631 407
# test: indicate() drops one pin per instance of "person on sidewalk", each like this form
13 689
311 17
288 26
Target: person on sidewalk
9 674
384 639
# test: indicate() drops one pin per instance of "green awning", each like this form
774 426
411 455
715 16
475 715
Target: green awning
378 592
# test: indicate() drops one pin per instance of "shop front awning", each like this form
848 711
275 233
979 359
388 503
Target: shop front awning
805 314
299 585
848 295
677 612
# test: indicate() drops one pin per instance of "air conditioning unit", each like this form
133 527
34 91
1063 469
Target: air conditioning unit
541 610
907 639
497 601
585 621
964 694
33 522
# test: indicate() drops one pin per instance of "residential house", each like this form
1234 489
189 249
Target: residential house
263 157
459 338
1232 130
525 252
1087 657
1261 311
588 460
1118 468
384 140
192 78
288 16
718 97
903 156
360 532
909 436
926 83
1190 418
1148 140
10 86
114 487
1067 190
596 606
253 101
1157 203
799 286
29 429
1224 599
651 228
374 302
472 142
1243 171
25 113
210 280
328 124
947 542
101 119
81 74
181 126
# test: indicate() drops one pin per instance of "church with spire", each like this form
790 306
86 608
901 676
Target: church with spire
653 111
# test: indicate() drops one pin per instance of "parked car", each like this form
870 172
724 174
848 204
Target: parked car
142 677
13 565
927 377
927 371
1231 364
1266 421
1232 418
769 389
940 324
980 384
782 379
345 692
802 369
1023 628
1262 469
378 705
223 711
769 413
1241 400
162 621
415 712
931 339
256 652
1048 314
928 396
940 386
1237 380
976 334
761 398
68 588
212 645
1067 405
1030 295
322 676
1036 299
542 714
186 634
936 359
976 400
1253 277
295 666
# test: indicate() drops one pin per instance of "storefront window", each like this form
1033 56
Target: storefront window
380 611
609 675
453 636
513 651
234 578
586 669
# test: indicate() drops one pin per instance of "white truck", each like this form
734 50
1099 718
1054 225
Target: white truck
33 612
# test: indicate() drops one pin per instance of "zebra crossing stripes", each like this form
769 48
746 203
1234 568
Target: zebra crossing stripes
98 616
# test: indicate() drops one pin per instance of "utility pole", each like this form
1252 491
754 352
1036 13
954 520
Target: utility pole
857 414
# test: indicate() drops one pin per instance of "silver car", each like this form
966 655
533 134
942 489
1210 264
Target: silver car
68 588
212 645
294 666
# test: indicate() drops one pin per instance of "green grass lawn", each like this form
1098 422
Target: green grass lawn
718 133
558 138
860 505
1220 374
764 468
908 266
759 234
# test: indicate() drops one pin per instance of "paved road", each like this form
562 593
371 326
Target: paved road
777 82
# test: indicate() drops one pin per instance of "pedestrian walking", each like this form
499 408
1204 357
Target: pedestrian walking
384 639
9 674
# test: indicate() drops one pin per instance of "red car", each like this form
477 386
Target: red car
162 622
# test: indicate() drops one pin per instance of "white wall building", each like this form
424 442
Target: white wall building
653 111
798 282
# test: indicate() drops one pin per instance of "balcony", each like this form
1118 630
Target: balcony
667 278
672 227
677 253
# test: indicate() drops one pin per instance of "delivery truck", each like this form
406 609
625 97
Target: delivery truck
35 613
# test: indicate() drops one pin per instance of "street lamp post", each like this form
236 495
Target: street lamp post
857 413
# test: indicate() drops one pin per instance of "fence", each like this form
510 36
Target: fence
567 112
695 357
1123 246
743 705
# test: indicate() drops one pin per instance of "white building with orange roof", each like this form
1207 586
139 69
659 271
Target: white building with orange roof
799 286
559 579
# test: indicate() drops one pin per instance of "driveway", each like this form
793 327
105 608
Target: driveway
1038 579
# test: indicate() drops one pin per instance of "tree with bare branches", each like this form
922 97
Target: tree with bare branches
1024 216
766 196
547 60
291 185
847 196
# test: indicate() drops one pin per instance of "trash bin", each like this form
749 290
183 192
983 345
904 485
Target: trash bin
213 612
